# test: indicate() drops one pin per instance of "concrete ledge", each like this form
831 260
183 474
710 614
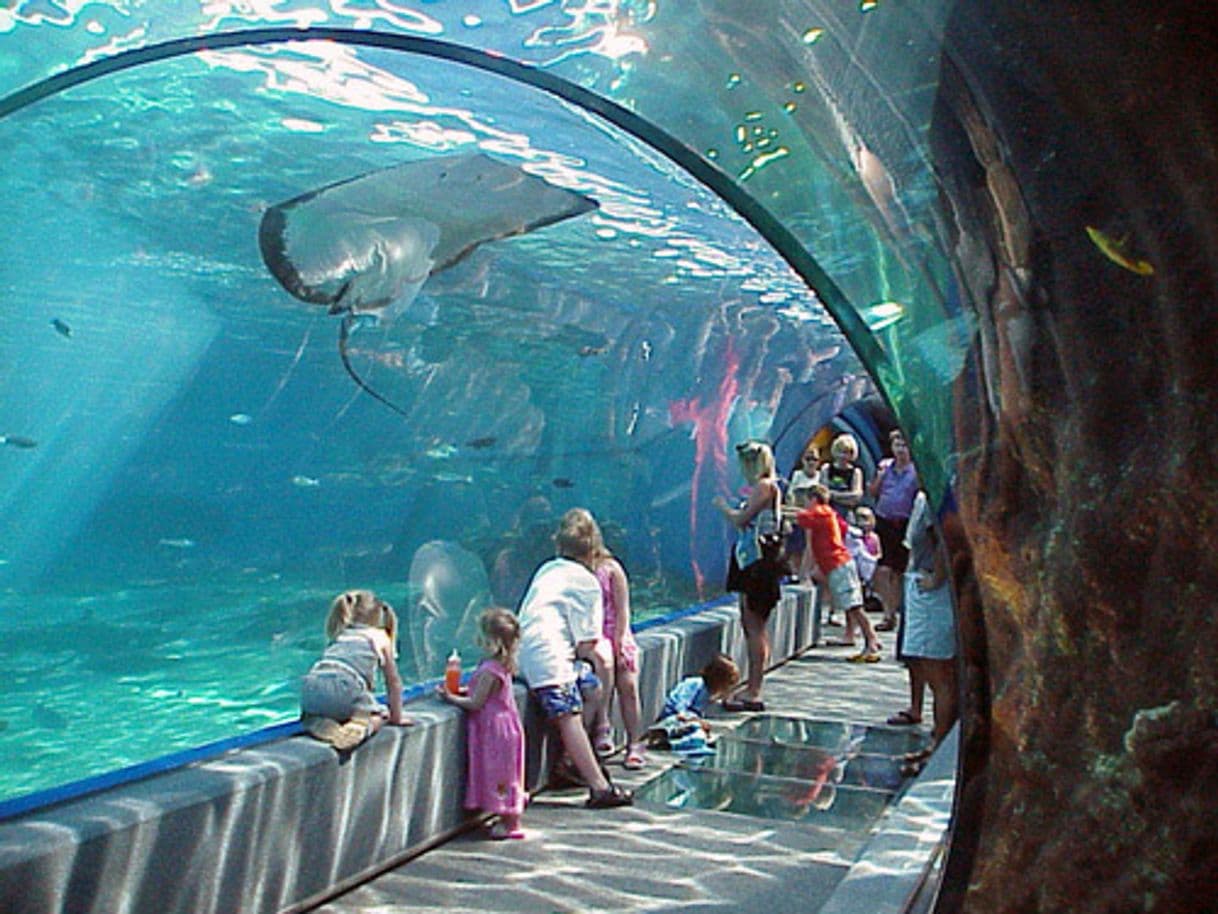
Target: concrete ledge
282 825
892 868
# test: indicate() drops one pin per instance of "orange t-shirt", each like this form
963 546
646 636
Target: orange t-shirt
824 526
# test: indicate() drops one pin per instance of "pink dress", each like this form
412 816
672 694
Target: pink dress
495 779
626 653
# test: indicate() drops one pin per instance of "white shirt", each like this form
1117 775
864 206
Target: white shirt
800 488
561 608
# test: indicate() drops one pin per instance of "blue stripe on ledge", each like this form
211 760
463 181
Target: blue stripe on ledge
75 790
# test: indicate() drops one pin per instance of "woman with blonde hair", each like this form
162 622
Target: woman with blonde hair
755 567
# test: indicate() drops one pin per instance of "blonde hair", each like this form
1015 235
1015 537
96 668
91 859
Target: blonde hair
820 492
862 514
500 635
756 456
578 535
844 446
360 607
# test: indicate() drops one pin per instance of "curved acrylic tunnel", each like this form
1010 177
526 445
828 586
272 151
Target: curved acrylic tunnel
1009 210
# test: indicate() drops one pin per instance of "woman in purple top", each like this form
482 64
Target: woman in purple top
894 488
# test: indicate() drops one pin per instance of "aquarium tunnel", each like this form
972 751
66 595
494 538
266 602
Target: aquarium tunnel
629 234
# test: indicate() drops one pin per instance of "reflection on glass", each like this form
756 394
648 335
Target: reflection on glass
835 774
835 736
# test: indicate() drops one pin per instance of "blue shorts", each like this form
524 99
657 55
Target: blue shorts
568 697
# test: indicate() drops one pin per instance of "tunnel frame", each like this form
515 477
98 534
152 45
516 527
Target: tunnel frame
830 296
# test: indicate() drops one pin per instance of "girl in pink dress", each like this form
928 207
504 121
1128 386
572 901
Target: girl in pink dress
495 737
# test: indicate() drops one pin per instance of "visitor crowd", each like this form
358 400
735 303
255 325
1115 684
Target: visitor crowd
863 544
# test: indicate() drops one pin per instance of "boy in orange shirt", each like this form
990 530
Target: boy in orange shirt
833 568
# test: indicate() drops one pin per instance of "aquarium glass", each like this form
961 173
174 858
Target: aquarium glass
189 473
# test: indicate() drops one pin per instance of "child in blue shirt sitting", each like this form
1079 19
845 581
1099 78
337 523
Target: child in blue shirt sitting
680 726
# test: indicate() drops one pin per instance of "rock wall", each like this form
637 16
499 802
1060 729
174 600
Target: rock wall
1078 160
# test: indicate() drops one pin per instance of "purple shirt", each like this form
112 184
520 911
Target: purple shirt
897 490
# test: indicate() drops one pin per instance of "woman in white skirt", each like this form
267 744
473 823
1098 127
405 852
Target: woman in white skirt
928 636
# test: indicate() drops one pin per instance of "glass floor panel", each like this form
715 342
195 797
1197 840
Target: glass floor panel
837 775
850 811
835 736
807 763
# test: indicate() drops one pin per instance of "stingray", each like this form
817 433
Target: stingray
364 246
448 589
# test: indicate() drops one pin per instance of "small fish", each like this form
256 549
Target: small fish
680 490
586 351
64 329
679 799
883 314
562 482
452 477
240 419
484 441
633 422
305 482
18 441
441 452
1115 251
49 719
178 543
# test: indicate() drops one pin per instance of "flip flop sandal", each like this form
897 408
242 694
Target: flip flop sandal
604 742
609 798
635 758
903 719
500 832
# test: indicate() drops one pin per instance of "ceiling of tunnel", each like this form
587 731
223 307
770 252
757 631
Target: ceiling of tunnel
193 419
597 339
808 109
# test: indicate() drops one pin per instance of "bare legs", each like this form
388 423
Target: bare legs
888 587
627 686
579 750
917 688
941 677
856 616
757 638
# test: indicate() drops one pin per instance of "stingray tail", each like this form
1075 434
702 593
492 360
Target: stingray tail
344 334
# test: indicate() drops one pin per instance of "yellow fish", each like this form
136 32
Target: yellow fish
1115 251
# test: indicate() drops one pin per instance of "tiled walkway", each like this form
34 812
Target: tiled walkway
652 859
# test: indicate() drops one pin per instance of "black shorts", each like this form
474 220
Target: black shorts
759 582
892 543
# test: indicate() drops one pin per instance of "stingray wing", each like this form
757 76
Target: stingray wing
365 242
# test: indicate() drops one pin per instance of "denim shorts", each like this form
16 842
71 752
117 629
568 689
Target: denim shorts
568 697
559 700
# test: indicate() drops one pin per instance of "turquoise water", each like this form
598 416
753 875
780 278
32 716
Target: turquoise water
122 676
205 475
